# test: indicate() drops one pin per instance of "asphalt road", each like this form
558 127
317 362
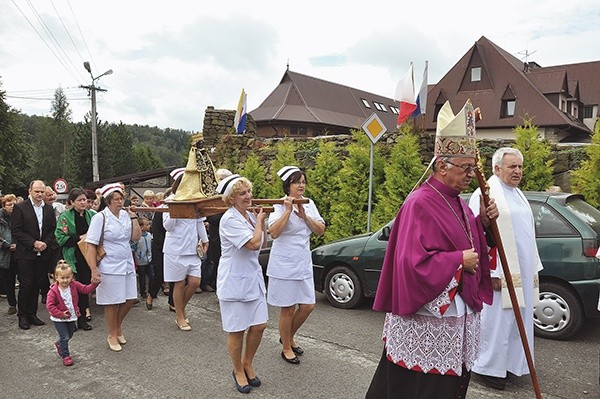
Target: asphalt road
342 350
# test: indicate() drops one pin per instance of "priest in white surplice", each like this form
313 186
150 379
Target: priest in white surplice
501 347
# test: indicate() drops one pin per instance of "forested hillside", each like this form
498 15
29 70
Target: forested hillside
34 147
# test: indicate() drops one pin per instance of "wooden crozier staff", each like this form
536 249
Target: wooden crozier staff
485 193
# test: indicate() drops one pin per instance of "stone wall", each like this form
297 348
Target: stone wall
218 135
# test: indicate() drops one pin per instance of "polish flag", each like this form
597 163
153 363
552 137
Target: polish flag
405 95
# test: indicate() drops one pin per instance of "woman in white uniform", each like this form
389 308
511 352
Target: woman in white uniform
181 260
116 271
240 283
290 271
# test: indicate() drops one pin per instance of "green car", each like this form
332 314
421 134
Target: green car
568 235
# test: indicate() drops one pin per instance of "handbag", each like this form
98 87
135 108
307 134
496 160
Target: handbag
100 252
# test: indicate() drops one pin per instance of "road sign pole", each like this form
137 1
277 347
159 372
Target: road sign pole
374 128
370 189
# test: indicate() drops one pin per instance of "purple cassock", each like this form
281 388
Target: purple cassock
425 249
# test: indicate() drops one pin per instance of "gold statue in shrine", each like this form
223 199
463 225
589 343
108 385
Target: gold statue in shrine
199 179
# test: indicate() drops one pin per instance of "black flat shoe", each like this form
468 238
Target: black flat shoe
293 360
36 321
149 305
83 325
296 349
255 382
241 389
498 383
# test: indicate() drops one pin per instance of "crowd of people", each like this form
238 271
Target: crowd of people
442 285
107 245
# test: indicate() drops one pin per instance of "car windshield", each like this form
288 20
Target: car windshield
585 212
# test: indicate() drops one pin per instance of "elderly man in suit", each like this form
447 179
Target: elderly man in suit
33 225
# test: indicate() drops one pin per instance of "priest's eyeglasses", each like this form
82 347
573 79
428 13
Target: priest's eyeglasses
466 168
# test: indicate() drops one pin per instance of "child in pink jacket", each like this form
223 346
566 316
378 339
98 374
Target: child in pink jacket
62 303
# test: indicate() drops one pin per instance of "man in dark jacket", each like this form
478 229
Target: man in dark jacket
33 225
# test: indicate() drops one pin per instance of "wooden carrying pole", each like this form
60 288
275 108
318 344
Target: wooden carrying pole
485 192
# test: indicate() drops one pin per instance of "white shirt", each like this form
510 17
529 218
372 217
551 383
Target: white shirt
239 276
182 235
290 257
117 233
68 300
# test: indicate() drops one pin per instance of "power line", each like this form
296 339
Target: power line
53 40
44 99
42 38
82 37
66 30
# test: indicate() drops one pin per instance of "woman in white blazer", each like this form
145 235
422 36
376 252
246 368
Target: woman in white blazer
240 283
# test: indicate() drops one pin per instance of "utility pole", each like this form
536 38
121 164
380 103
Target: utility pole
92 89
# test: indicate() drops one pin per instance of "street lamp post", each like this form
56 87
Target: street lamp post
92 90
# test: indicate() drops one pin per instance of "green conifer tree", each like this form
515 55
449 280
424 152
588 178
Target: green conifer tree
322 186
254 171
15 152
537 165
402 171
349 205
285 150
586 178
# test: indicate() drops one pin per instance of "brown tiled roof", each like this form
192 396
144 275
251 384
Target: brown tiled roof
500 70
302 98
587 74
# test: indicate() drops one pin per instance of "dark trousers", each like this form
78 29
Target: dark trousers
84 276
8 278
65 329
144 275
33 276
158 277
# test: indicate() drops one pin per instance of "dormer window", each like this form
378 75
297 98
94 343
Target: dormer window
366 103
508 108
394 110
476 74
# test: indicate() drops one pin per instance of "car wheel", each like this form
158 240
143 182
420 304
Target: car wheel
559 315
343 288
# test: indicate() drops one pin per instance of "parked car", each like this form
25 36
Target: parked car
568 235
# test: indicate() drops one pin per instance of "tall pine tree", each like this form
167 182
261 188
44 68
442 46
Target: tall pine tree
349 205
537 165
322 185
402 171
586 178
285 151
15 152
254 171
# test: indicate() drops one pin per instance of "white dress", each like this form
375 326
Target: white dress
290 264
240 283
117 269
181 240
501 347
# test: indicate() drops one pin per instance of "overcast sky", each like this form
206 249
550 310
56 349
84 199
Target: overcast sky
172 59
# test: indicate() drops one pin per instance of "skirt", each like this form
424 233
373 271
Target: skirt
395 382
178 267
115 289
285 293
238 316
